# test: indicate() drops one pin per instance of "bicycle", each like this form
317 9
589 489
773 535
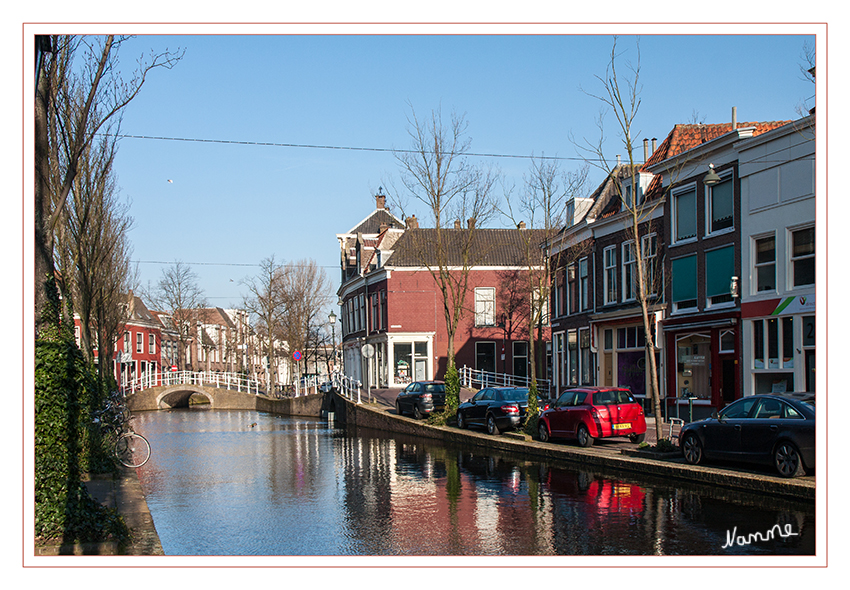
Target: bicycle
130 448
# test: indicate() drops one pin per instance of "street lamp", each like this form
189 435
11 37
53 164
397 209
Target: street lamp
332 320
712 177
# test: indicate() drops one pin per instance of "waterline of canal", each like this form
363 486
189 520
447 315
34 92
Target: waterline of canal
251 483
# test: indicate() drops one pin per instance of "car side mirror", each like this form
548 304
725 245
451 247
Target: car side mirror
716 416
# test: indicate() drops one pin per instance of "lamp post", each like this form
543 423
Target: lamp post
332 320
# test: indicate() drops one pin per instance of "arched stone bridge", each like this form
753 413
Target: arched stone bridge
164 397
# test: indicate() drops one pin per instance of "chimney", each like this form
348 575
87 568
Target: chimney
618 159
412 222
654 140
470 223
521 225
645 149
380 201
457 223
734 118
383 227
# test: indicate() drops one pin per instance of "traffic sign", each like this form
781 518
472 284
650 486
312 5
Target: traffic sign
297 355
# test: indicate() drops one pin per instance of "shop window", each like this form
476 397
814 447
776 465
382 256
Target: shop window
684 283
721 206
585 357
765 263
685 214
693 362
809 350
485 306
803 257
609 278
572 353
402 354
719 269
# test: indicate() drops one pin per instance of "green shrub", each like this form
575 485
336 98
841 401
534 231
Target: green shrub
665 445
452 380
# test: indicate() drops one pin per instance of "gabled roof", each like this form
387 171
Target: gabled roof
372 223
490 247
684 137
215 315
606 198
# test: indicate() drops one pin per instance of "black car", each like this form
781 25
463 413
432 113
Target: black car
496 408
421 398
772 429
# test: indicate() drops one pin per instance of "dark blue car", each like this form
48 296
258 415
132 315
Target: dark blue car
771 429
496 408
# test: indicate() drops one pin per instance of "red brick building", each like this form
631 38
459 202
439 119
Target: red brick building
390 300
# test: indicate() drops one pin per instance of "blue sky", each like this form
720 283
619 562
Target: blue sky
231 205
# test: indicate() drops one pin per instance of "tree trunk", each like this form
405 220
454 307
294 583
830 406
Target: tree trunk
44 269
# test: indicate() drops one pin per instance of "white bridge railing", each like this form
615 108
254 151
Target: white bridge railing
474 378
346 386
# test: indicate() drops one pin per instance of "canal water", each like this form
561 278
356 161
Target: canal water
250 483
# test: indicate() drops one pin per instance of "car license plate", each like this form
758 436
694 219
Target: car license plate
622 426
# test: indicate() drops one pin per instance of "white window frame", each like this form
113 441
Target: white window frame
754 288
584 284
140 342
793 259
674 217
485 306
629 268
609 274
151 343
649 257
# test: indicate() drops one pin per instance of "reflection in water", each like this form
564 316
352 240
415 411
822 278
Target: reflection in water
216 485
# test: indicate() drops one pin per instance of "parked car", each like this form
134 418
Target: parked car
589 413
496 408
421 398
772 429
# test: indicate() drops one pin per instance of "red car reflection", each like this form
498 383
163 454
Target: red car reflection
593 412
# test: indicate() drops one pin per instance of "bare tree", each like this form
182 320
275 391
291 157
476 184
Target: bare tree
179 293
621 94
543 203
436 174
308 292
267 301
79 92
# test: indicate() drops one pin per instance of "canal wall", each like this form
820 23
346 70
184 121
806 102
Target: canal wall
378 418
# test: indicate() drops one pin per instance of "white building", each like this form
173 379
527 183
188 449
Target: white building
777 286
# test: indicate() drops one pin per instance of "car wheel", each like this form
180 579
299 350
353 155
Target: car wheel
460 421
787 460
637 438
416 413
492 428
543 432
583 435
692 449
398 409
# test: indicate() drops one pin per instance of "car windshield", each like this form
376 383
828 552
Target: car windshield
617 396
435 388
514 395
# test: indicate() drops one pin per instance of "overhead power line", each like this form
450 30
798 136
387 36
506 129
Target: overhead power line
332 147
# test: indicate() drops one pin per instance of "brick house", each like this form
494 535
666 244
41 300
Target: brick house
702 329
390 300
138 351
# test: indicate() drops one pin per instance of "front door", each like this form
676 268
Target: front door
485 356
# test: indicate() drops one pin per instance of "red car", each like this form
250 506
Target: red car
593 412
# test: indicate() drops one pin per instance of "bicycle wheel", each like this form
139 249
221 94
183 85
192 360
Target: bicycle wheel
132 450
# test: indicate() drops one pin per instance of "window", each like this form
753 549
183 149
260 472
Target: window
584 284
572 352
151 344
559 295
803 256
139 341
684 282
628 271
572 288
809 350
649 248
585 357
720 206
719 268
773 339
485 306
126 341
765 263
685 214
693 366
609 278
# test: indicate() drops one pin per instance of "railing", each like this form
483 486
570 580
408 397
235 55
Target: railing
477 379
347 387
235 381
